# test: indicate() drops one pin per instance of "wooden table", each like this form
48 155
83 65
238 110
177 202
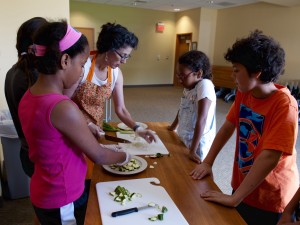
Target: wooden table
173 173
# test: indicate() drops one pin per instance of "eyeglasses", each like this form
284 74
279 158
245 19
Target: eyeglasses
183 76
122 57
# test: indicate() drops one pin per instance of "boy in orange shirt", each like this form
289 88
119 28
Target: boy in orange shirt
265 116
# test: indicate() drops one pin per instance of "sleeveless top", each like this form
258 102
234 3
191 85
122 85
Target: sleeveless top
60 166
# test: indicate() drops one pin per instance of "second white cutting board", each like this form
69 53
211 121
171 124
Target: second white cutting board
140 147
149 192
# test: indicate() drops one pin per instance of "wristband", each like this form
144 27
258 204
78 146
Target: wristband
135 127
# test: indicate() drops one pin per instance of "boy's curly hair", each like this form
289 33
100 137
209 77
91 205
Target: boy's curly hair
258 53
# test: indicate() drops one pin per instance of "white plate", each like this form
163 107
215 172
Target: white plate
124 127
143 165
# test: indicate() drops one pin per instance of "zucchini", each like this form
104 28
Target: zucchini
153 218
160 216
132 165
164 209
122 195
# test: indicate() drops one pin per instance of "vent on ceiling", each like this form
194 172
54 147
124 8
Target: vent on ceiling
225 4
141 1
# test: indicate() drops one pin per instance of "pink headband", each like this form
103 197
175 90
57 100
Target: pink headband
70 38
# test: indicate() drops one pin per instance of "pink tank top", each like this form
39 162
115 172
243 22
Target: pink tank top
60 167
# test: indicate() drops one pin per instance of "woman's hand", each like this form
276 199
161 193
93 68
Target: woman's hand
147 134
201 171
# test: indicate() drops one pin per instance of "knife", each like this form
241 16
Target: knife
131 210
116 139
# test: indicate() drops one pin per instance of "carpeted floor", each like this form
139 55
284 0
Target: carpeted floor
144 104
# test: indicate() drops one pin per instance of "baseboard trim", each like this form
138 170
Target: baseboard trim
149 85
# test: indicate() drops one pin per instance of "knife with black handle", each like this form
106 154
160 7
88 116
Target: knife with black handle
128 211
115 139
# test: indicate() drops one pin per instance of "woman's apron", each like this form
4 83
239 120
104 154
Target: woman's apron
91 100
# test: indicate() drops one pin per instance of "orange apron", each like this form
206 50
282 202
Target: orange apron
91 99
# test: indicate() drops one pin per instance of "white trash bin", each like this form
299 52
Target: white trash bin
16 179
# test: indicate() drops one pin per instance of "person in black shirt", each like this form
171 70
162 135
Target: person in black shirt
19 78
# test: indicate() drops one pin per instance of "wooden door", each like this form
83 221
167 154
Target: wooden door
89 33
183 45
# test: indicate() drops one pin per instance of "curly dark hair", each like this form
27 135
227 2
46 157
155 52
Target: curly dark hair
24 41
49 35
258 53
115 36
195 61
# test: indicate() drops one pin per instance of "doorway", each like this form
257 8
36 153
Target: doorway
183 45
89 33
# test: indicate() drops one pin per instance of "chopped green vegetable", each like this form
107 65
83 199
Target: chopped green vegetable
108 127
160 216
112 193
153 218
122 195
132 165
158 155
152 204
164 209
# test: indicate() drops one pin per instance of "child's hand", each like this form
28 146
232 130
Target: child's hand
194 157
286 219
219 197
201 171
115 148
96 130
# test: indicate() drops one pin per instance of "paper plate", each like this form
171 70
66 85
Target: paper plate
143 165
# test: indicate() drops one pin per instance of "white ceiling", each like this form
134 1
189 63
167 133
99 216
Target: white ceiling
170 5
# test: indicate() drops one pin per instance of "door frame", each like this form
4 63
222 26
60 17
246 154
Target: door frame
90 34
177 54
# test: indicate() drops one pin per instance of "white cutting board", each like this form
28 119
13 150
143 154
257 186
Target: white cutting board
140 147
149 192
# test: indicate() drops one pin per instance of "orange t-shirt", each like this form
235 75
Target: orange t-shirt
270 123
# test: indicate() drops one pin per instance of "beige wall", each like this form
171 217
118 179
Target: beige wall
153 61
188 22
207 31
201 22
214 30
12 14
280 22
